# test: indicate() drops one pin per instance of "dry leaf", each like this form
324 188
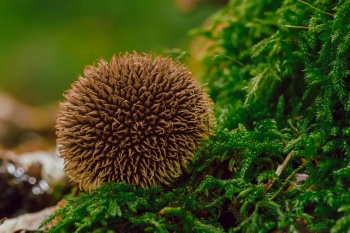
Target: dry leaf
26 222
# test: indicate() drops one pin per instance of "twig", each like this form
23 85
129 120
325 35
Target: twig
287 180
225 56
279 171
315 8
293 26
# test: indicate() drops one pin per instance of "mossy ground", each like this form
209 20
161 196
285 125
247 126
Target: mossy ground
278 72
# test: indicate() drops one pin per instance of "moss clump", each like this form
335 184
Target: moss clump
279 80
118 207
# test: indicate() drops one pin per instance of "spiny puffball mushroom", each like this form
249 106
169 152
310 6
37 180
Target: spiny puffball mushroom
136 120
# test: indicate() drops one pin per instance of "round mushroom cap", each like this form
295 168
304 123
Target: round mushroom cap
136 120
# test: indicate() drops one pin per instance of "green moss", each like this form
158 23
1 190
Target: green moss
278 73
117 206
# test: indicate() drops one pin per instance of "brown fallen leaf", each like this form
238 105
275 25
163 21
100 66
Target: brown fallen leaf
26 222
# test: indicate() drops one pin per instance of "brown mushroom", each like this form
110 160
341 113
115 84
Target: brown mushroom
136 120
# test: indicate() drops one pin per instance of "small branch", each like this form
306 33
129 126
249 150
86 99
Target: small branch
316 8
287 180
300 27
225 56
284 164
279 170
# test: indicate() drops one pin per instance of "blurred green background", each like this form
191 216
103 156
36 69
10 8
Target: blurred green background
45 45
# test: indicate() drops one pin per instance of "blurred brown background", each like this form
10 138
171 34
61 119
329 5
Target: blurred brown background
45 45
